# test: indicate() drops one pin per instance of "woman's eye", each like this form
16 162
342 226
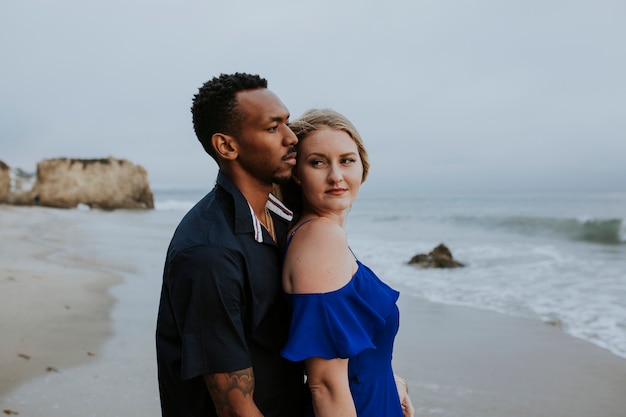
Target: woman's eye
316 162
347 161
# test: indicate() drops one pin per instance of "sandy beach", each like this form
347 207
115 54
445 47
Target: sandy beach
78 299
54 305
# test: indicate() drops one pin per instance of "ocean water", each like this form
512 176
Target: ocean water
555 258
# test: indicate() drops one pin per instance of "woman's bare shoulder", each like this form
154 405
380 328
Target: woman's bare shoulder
318 259
319 229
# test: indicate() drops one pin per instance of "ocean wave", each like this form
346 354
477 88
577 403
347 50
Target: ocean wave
606 231
173 205
177 199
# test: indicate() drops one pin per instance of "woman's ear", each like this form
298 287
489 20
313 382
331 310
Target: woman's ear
225 146
295 178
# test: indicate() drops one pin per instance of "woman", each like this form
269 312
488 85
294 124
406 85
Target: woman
344 318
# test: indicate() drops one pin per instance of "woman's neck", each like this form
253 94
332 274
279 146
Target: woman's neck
334 217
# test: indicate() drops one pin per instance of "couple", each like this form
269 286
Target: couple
233 338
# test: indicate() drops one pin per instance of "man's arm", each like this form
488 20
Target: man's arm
232 393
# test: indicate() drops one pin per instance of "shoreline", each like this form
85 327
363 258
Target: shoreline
106 267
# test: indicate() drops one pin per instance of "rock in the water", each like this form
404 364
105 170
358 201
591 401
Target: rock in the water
440 257
98 183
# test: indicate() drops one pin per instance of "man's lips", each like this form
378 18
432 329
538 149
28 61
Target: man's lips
290 158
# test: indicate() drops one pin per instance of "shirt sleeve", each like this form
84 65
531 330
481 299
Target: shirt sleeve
208 297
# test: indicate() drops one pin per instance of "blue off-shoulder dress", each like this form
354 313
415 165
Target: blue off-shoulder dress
358 321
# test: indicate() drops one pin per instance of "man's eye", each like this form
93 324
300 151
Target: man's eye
273 129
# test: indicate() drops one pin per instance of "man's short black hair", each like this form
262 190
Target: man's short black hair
215 110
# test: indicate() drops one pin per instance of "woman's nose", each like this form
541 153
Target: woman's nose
335 175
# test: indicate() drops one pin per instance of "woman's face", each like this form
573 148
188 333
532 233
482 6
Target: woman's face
329 170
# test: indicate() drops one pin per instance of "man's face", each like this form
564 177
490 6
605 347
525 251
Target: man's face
266 144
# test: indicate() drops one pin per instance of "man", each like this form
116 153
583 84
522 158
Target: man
222 318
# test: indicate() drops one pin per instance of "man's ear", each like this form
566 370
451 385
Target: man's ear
225 146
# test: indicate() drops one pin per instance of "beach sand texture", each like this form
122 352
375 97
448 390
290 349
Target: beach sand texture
78 299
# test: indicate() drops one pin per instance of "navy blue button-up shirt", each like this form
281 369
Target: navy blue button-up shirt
222 307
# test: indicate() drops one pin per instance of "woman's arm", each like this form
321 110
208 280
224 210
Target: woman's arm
328 382
232 393
319 261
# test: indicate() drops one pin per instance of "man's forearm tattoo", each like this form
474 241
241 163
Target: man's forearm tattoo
222 386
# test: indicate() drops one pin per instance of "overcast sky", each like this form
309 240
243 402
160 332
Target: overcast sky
448 95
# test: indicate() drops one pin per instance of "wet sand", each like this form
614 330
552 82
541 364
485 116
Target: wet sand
54 308
78 299
466 362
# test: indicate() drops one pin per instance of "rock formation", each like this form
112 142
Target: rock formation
5 182
98 183
440 257
21 183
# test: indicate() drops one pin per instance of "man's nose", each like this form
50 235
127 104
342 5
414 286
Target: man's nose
290 137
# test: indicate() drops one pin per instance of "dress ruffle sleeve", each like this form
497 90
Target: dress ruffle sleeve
340 323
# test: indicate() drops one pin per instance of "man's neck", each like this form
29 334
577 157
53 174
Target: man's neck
255 191
256 194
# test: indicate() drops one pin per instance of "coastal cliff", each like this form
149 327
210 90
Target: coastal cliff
98 183
5 182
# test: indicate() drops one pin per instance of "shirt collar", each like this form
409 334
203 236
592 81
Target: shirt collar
273 204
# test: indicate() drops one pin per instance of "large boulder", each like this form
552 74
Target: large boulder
21 185
98 183
440 257
5 182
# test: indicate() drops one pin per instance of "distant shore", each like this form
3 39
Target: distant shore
78 298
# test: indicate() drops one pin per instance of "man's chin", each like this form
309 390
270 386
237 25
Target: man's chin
284 180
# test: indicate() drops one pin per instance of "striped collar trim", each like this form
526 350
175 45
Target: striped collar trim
274 205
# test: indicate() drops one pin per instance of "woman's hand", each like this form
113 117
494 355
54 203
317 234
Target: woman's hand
405 401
